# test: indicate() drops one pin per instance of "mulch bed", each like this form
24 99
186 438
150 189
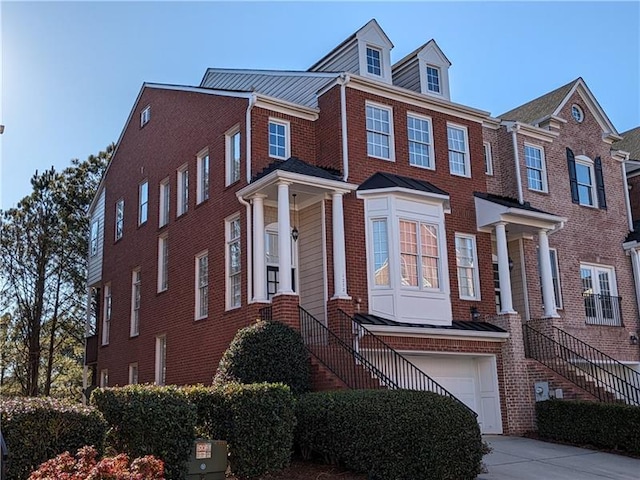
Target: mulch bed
301 470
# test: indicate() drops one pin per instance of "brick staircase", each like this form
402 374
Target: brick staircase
344 371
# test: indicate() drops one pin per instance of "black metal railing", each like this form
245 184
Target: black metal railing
592 370
372 356
603 309
266 314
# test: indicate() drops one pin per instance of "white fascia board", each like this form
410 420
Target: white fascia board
333 185
532 131
439 198
418 99
491 122
288 108
204 91
535 219
601 117
396 331
288 73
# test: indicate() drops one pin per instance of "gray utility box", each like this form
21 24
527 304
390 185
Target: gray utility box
208 460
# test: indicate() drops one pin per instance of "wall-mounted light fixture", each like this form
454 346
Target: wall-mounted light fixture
475 314
294 232
633 338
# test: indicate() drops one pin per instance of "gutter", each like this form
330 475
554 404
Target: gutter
516 157
344 79
252 101
249 249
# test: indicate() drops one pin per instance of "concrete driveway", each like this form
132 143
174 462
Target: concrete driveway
516 458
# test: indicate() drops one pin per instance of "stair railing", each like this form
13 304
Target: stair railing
578 366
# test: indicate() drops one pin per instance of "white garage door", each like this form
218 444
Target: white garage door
473 380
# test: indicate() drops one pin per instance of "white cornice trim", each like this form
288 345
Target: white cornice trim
437 197
418 99
333 185
531 131
396 331
492 123
287 108
205 91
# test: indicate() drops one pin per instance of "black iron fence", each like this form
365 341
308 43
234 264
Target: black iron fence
602 309
592 370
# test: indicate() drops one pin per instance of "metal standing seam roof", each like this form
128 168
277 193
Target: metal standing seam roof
368 319
539 107
630 143
296 87
295 165
389 180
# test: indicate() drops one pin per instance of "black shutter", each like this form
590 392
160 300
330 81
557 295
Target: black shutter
602 199
573 178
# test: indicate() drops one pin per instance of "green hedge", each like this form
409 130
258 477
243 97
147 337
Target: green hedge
149 420
37 429
257 420
602 425
267 352
399 435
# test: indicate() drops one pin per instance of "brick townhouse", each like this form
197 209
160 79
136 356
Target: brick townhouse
386 204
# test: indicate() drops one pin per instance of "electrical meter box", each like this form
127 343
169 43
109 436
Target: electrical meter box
208 460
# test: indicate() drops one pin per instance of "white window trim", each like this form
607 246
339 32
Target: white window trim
287 137
198 295
93 240
134 328
555 263
143 205
104 378
182 199
107 314
611 270
203 193
160 367
119 232
590 164
426 76
227 257
476 269
432 154
401 217
467 155
145 116
488 164
366 61
164 210
392 148
545 186
134 367
229 149
580 113
163 268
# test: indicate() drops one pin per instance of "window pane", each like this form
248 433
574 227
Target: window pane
419 140
457 151
378 131
430 272
373 61
277 140
433 79
429 239
380 253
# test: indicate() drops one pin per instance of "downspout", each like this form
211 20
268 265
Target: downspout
85 368
249 250
627 201
344 79
247 128
516 156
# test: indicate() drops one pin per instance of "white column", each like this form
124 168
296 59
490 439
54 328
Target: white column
503 269
339 255
545 274
284 239
259 265
635 263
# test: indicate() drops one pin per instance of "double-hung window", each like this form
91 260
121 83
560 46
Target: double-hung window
458 151
420 144
133 373
163 263
202 193
433 79
488 158
379 132
104 378
233 263
536 171
161 360
183 190
233 156
143 202
93 243
165 202
145 116
419 255
374 61
467 266
119 219
279 141
586 184
380 252
202 285
106 316
135 302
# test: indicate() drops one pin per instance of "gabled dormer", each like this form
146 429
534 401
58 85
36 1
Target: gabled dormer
367 53
425 70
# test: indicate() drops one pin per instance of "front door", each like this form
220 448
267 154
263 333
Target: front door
273 261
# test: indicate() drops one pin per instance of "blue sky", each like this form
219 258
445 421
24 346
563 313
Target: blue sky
71 71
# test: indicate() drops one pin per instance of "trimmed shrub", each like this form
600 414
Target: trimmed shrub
267 352
37 429
86 465
603 425
149 420
257 421
391 434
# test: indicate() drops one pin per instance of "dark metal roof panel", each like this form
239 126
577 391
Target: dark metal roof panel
368 319
295 165
389 180
508 202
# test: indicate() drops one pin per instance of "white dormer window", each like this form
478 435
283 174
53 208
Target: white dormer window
433 79
374 61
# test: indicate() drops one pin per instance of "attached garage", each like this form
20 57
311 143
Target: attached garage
471 378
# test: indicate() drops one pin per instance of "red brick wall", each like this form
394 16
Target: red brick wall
634 197
590 235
